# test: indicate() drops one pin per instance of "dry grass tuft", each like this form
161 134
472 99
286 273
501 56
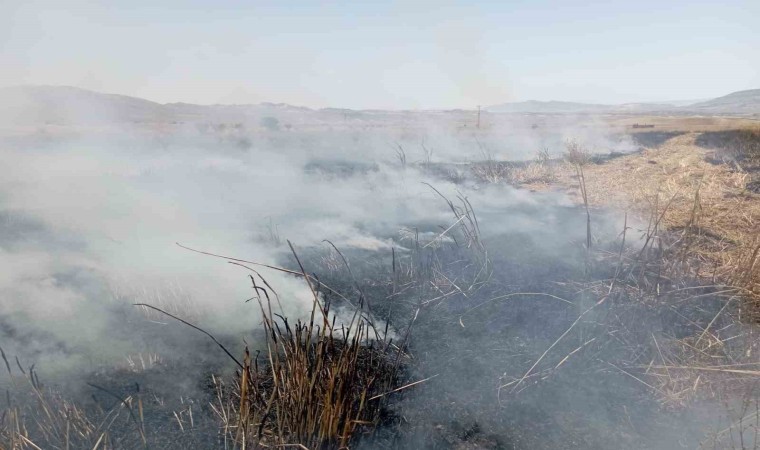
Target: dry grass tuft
576 154
317 385
541 170
317 388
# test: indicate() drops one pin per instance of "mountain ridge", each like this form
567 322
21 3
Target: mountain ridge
739 102
67 105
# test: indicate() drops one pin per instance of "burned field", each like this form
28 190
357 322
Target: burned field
564 301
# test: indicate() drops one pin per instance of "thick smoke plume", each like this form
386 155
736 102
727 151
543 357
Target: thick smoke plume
92 207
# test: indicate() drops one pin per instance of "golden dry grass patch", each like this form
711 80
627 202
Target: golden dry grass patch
692 191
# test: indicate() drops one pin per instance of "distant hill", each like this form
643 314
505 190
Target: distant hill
64 105
738 103
741 102
69 105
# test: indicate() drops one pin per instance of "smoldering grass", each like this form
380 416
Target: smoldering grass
321 385
318 384
47 420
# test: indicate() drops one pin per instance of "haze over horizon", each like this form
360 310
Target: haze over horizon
390 55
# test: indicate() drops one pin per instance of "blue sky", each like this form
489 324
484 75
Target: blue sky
370 54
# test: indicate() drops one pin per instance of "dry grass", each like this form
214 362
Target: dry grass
624 123
39 418
317 384
317 387
539 171
692 202
705 204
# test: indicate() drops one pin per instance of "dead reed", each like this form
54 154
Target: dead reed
317 385
39 418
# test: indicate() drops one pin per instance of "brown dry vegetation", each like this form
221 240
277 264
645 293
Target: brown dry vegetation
698 124
698 185
692 193
314 386
317 386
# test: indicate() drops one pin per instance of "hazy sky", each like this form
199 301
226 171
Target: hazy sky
371 54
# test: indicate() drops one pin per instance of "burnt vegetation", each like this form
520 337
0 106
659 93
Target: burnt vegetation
464 336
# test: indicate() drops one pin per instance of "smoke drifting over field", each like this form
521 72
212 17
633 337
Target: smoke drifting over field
90 214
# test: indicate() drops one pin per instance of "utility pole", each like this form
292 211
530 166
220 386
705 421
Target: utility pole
478 117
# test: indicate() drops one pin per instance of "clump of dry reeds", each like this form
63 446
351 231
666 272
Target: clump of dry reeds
317 383
576 154
314 389
538 171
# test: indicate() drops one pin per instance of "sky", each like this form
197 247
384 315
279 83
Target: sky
385 55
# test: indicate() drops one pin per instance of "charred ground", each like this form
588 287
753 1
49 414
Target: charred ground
626 319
